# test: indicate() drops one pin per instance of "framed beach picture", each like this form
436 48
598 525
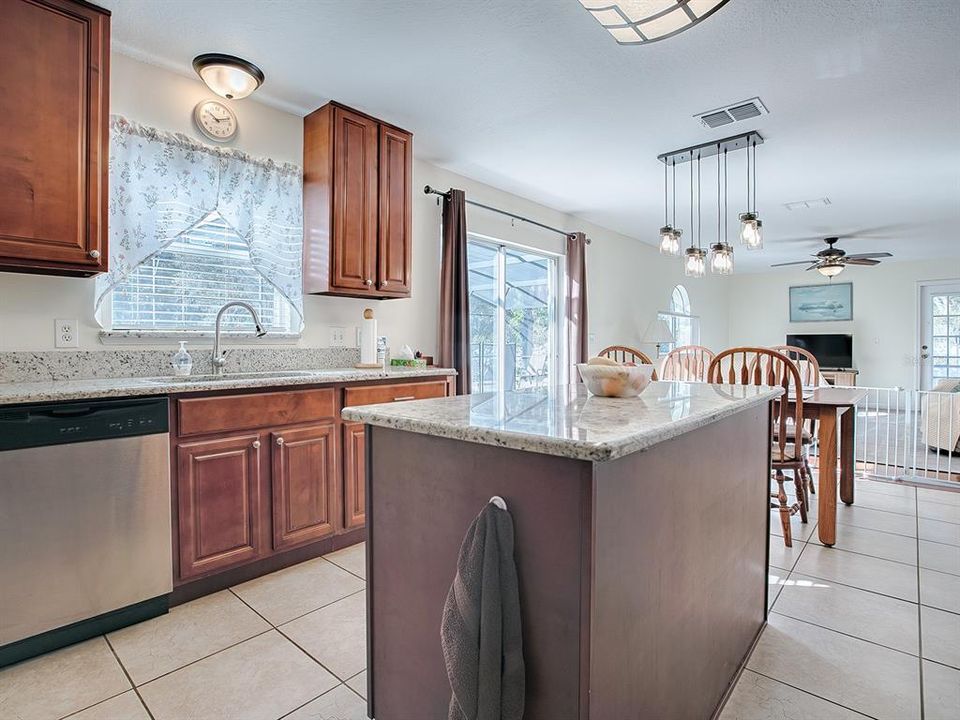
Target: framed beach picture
819 303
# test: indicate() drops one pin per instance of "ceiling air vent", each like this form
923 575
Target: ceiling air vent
735 112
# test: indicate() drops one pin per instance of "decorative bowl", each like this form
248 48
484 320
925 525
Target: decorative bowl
620 381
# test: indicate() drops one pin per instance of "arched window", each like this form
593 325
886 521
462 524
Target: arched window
683 324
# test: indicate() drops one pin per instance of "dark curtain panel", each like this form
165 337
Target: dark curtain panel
454 291
576 301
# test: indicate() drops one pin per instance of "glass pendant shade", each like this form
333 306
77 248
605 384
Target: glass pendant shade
695 263
721 259
669 241
830 270
750 233
228 76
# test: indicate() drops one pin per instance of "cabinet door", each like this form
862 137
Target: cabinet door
354 476
218 499
53 148
395 232
304 487
353 248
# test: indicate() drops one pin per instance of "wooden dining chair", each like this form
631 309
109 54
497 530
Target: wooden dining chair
809 370
761 366
624 354
687 363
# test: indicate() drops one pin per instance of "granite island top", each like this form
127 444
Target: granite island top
60 390
566 420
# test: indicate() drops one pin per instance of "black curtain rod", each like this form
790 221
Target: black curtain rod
427 190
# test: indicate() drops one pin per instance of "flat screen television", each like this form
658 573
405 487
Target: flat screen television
831 350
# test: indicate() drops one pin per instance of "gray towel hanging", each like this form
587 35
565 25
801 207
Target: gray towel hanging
480 631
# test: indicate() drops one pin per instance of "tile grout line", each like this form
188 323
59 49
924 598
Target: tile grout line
845 634
857 587
298 617
74 713
812 694
919 617
129 679
292 642
347 570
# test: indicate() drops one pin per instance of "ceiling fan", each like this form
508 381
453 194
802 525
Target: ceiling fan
831 261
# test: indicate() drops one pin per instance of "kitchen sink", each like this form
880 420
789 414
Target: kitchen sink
235 376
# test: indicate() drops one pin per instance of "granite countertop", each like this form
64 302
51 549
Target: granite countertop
59 390
566 420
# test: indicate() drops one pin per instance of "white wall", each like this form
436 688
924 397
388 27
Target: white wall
884 325
628 281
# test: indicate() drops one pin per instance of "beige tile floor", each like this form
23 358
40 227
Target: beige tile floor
869 628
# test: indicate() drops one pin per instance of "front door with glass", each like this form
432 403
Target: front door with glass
939 355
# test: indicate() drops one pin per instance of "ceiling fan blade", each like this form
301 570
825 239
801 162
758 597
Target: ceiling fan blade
867 256
862 261
798 262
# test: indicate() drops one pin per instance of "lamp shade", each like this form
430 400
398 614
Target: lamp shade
658 333
634 22
227 75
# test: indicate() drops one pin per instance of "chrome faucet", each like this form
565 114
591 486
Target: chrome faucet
220 356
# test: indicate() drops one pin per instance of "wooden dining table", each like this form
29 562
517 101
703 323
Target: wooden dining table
828 405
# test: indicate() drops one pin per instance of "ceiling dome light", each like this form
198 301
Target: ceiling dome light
636 22
830 269
230 77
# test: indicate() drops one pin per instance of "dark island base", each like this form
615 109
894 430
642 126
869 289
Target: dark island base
642 580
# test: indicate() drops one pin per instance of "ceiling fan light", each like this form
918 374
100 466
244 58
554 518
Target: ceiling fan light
721 259
669 241
228 76
636 22
694 264
830 269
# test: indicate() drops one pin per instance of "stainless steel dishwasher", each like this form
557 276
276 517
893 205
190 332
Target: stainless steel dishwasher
85 520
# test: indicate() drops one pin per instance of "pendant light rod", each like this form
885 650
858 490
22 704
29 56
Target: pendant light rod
714 147
692 226
718 192
699 206
726 200
666 219
754 178
674 193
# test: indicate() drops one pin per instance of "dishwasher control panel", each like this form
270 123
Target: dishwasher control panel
36 425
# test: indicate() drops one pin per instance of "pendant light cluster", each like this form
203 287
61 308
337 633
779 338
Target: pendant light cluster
721 261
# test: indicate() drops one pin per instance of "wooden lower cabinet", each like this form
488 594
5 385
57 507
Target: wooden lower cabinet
354 476
304 482
259 475
218 499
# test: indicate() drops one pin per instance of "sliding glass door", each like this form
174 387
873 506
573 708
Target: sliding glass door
514 316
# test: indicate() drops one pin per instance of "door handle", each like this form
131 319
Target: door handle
404 398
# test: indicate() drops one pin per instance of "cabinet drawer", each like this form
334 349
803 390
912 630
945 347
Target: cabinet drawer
373 394
244 412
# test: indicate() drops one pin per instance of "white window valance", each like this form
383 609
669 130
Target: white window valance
164 184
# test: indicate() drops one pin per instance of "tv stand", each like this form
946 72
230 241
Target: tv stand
840 376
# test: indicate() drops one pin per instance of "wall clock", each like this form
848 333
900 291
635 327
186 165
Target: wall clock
215 120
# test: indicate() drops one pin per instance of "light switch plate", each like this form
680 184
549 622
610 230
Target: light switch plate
65 333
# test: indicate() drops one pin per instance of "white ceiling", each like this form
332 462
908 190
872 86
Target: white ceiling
536 98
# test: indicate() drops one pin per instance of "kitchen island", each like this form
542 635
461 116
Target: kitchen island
641 542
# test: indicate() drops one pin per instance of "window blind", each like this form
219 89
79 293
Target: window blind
184 285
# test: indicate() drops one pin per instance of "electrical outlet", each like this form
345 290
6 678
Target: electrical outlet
65 332
337 336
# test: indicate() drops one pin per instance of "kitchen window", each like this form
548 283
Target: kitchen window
182 287
683 324
514 316
193 227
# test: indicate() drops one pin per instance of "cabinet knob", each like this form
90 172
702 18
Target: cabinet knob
95 254
383 284
369 282
279 441
256 444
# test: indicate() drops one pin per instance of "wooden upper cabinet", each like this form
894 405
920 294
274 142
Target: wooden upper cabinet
55 56
393 241
305 486
356 205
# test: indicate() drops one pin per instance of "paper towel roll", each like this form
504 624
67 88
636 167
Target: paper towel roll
368 341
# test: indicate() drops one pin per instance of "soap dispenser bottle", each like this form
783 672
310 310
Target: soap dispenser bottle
182 362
